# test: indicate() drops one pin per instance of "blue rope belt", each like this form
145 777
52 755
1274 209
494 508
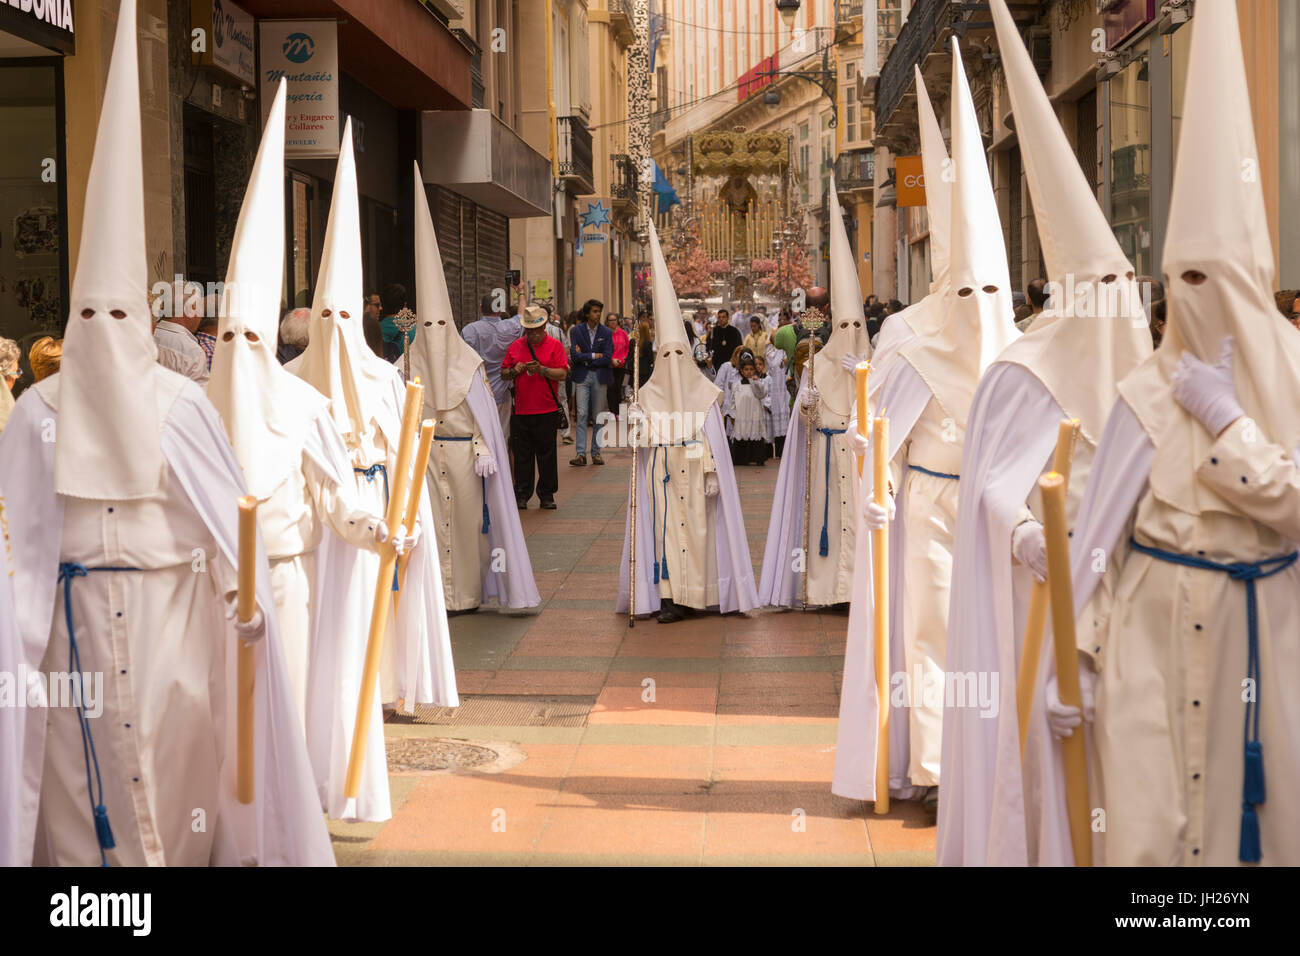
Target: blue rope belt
378 468
661 564
1252 787
94 782
487 521
934 474
825 547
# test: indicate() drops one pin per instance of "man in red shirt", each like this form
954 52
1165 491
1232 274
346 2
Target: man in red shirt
534 365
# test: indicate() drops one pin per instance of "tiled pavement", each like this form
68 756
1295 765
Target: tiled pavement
710 741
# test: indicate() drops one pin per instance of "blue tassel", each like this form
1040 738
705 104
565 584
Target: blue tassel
487 521
656 572
825 548
1248 851
103 831
395 578
665 569
1253 785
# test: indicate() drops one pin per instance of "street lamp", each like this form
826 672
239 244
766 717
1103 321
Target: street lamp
787 9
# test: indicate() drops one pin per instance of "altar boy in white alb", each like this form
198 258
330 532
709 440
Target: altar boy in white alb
1188 657
994 811
366 397
123 531
926 395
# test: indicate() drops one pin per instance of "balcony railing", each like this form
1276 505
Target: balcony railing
846 10
856 169
477 89
622 184
917 38
575 153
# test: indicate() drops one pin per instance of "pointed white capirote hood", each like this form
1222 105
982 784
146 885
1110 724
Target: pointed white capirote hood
976 311
677 396
266 409
337 360
1100 331
836 386
938 184
109 442
444 362
1217 227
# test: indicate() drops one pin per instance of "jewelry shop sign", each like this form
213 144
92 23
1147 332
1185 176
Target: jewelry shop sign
306 54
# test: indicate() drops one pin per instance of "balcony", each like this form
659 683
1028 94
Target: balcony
575 154
477 89
475 154
622 183
916 39
855 169
621 21
846 10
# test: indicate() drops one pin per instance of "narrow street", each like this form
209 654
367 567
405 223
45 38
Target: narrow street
581 741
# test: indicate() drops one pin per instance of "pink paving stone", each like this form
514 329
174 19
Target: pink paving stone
614 824
476 814
601 768
735 826
672 705
562 683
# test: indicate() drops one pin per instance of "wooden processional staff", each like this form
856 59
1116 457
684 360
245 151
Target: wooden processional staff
631 550
811 321
245 608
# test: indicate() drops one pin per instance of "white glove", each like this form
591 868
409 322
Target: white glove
860 444
809 398
381 531
635 414
485 465
1208 392
403 542
247 631
875 517
1063 719
1029 547
711 485
850 362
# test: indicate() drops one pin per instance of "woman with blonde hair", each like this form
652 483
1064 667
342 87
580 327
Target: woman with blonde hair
45 355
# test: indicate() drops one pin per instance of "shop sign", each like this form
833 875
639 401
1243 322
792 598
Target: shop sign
45 22
910 181
230 40
306 53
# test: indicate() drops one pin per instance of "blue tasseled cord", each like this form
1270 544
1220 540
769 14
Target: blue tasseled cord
378 468
94 782
934 474
1252 785
825 547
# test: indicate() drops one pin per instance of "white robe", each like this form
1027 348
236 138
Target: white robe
417 664
1170 647
457 495
992 813
165 741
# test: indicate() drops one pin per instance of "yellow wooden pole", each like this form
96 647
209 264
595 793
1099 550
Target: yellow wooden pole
413 502
863 369
400 482
246 668
1061 591
1031 650
880 624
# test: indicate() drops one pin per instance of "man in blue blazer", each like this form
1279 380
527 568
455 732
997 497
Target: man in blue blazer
591 354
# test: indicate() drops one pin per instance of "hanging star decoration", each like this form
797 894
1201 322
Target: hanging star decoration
596 215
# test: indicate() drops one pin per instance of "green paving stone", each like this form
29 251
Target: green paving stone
521 663
671 665
575 604
749 665
513 735
784 735
648 735
480 642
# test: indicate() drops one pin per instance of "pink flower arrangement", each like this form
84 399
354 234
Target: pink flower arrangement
689 268
719 267
789 272
762 266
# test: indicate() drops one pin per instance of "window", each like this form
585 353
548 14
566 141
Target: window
851 100
1130 162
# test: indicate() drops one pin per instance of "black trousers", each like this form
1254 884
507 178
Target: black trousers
533 437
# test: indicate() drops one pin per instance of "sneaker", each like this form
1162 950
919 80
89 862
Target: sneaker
597 460
566 440
579 461
548 504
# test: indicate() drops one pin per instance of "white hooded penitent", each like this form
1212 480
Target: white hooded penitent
676 392
337 360
266 410
109 444
836 386
1100 333
976 325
